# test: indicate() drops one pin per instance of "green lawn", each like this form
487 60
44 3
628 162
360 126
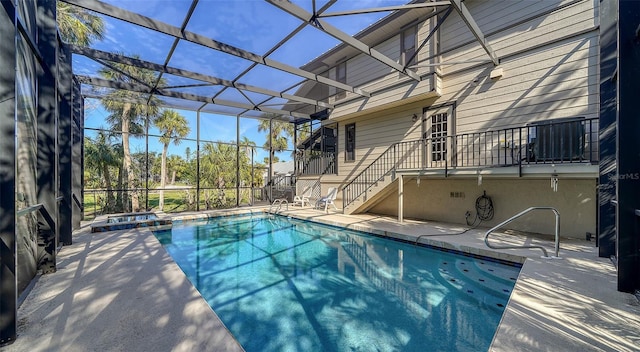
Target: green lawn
174 201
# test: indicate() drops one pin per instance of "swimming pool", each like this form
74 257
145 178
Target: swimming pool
282 284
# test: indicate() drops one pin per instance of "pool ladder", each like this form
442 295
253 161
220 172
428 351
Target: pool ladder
546 255
279 203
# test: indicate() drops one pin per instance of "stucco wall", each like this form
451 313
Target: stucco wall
432 200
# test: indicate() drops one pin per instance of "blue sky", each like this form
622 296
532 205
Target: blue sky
252 25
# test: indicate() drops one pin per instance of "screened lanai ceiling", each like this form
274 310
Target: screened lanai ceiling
251 58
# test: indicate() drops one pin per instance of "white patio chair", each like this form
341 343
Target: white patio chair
303 198
328 199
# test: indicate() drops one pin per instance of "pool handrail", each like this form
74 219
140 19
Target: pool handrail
279 202
557 232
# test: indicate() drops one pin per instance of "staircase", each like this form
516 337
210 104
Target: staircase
366 188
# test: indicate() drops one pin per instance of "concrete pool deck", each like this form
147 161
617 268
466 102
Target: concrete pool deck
120 291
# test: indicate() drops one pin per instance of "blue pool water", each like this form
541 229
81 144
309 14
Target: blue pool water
283 284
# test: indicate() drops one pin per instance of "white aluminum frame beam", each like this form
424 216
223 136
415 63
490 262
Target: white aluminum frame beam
103 55
386 9
164 28
135 87
307 17
464 13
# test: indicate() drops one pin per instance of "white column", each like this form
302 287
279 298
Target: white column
401 198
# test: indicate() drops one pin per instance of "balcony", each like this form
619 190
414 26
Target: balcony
561 141
316 163
511 151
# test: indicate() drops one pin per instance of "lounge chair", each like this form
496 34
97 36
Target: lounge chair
303 198
328 199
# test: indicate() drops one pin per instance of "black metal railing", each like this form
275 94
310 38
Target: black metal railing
549 142
402 155
316 163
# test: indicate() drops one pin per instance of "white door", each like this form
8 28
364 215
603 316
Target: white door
438 132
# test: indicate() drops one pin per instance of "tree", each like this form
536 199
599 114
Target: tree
217 170
129 112
187 154
77 25
176 166
173 127
280 131
100 156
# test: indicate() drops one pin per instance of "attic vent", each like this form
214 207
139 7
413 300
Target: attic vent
456 194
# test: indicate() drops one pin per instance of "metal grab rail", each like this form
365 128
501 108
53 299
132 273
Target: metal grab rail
557 232
42 210
30 209
279 202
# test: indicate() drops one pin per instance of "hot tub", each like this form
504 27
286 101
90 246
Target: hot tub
126 221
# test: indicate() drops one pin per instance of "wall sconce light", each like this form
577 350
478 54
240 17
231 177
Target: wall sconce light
414 118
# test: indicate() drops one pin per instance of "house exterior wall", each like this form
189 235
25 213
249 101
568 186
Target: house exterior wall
548 53
549 57
375 133
549 60
386 84
432 200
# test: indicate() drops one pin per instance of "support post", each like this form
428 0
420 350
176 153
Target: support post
77 157
65 86
607 127
628 192
237 160
47 168
401 199
270 178
146 161
198 160
8 279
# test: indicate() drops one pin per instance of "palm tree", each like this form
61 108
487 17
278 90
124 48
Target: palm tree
279 130
77 25
217 170
129 112
100 155
173 127
187 154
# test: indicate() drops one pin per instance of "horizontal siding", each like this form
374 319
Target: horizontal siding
375 133
558 81
371 75
362 68
382 98
567 107
490 15
429 49
571 19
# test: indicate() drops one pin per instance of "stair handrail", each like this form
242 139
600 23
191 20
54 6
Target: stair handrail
546 255
394 162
